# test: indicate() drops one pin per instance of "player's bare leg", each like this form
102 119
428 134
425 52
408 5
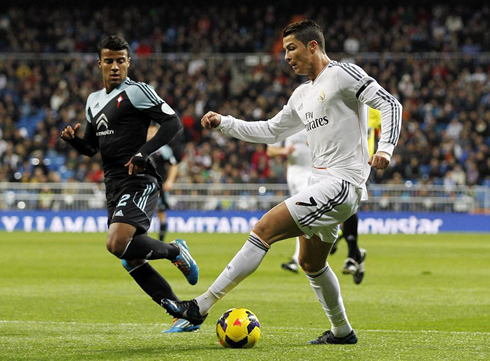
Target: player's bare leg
275 225
123 242
134 250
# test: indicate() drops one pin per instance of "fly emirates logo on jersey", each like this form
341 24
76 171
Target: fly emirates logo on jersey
313 123
103 126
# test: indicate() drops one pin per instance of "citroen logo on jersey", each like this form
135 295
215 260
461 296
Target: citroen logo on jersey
102 122
322 96
102 125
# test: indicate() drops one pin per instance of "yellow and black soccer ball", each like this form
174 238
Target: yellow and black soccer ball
238 328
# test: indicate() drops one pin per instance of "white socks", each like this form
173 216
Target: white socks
296 252
324 283
241 266
327 289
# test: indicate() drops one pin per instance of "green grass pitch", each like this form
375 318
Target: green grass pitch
424 297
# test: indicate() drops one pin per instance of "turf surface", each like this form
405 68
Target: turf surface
424 297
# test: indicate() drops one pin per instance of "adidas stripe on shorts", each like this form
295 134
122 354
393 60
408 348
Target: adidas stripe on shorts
132 201
325 204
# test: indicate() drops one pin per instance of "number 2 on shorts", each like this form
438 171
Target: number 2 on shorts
123 200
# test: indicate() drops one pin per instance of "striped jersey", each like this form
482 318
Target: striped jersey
118 122
334 109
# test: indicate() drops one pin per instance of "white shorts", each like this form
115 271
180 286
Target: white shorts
326 203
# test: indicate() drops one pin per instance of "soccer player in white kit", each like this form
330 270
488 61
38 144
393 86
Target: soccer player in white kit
333 107
295 148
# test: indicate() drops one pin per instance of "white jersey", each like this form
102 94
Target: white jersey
334 111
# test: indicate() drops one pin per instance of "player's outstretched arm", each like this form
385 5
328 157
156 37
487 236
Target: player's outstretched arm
69 133
380 160
211 120
173 171
273 130
87 145
273 150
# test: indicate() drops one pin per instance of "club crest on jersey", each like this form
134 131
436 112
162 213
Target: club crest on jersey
119 100
102 124
322 96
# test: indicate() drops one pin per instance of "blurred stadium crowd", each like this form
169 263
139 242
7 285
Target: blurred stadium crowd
232 28
445 91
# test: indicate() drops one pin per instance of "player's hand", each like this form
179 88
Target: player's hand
380 160
137 164
211 120
69 133
167 186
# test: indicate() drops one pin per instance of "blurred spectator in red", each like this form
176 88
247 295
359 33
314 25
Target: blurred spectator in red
143 48
95 174
260 160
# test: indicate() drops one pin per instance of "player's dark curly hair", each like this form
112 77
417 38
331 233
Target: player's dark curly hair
306 31
113 42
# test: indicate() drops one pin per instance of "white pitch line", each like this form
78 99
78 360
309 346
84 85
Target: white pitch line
74 323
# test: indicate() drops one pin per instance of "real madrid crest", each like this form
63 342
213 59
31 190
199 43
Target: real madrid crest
321 97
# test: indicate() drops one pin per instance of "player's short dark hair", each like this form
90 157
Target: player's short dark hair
113 42
306 31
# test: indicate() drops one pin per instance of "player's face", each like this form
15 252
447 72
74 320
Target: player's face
114 65
297 55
